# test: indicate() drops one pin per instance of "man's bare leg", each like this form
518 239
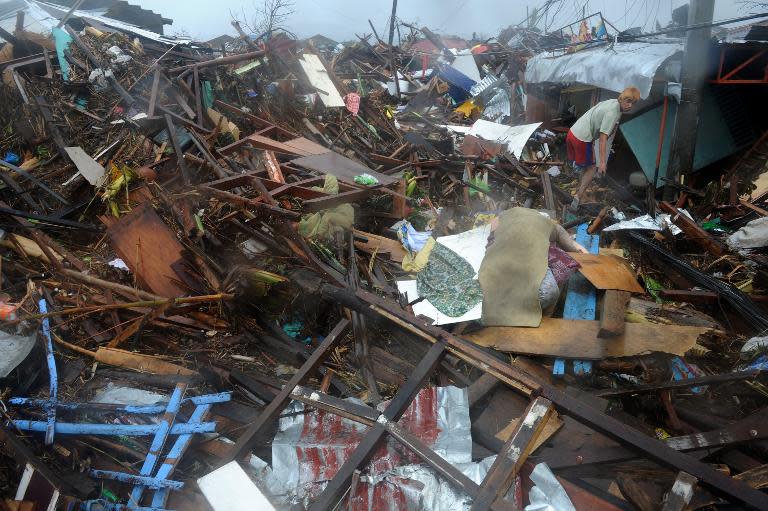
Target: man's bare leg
586 179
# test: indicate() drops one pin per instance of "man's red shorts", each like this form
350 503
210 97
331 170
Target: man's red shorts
580 153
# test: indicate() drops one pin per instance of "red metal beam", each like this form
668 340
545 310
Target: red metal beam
724 80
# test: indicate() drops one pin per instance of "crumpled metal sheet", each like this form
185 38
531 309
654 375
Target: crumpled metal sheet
613 67
13 350
515 137
483 84
645 222
309 448
499 106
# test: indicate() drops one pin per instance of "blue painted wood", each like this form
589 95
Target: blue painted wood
149 482
581 300
103 505
221 397
160 498
53 386
156 447
69 428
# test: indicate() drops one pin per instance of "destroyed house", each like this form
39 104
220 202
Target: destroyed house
37 12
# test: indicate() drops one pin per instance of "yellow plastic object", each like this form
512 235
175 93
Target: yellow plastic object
467 108
416 263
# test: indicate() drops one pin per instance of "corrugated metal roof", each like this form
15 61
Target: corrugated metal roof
613 67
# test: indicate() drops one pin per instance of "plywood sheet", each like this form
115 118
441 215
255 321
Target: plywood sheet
299 146
343 168
608 272
319 79
150 250
570 338
305 147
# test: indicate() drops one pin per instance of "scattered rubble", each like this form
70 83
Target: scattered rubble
303 274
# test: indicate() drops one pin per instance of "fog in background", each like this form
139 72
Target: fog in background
342 19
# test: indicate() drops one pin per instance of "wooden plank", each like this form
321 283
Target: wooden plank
382 245
692 230
553 426
481 388
177 148
345 169
266 143
305 146
680 384
581 299
137 361
153 92
756 477
760 211
273 167
546 185
331 201
149 249
612 311
514 453
198 97
568 338
607 272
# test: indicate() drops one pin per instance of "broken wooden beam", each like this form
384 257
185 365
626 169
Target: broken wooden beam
680 494
510 459
692 230
680 384
612 310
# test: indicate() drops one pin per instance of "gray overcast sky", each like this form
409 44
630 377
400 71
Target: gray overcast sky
341 19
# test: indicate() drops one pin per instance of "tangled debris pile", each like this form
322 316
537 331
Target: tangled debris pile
291 278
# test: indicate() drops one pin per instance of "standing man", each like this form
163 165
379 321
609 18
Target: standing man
596 126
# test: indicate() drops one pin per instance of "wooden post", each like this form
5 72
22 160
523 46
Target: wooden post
612 313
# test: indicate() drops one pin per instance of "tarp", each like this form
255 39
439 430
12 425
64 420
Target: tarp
613 67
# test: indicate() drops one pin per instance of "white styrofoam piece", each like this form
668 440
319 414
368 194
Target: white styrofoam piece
229 488
318 77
